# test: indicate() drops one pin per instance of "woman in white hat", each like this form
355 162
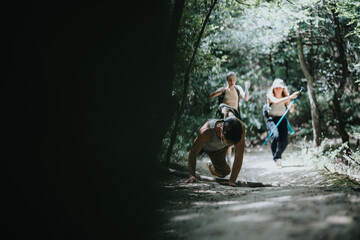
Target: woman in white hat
278 99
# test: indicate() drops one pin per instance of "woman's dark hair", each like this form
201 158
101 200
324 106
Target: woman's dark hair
232 129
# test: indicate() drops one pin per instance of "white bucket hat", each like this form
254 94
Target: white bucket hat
278 83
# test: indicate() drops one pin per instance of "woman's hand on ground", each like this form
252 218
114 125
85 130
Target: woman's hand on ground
192 179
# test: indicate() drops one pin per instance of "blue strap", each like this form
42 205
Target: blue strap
291 130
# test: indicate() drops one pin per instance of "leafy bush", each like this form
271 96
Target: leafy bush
341 159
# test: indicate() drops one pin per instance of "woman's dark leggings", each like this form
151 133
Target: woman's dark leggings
279 140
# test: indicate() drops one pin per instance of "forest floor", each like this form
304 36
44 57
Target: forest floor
293 202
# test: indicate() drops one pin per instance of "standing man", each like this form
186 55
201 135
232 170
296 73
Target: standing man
216 136
230 96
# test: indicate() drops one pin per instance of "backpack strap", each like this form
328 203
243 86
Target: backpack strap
221 98
238 91
220 101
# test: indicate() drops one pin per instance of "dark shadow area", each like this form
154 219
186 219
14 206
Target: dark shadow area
78 159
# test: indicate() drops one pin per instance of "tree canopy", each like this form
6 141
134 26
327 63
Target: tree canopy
258 41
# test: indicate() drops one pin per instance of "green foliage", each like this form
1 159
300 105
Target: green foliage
349 9
335 159
257 40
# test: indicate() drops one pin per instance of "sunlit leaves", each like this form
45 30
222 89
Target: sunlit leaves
259 29
348 9
253 37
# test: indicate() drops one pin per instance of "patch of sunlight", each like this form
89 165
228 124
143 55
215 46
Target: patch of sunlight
354 199
228 202
170 231
319 225
185 217
250 218
207 191
280 199
291 169
207 178
261 165
342 220
256 205
194 185
216 203
320 197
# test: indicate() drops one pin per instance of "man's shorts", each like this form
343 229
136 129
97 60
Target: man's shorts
218 160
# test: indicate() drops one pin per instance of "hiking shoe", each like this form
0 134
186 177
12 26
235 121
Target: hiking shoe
228 159
278 162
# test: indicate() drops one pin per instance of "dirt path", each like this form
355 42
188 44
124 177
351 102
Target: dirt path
305 204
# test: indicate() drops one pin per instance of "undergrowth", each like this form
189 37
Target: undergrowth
335 159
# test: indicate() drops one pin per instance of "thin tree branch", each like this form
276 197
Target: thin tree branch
186 86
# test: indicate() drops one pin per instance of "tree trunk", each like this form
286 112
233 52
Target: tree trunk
315 116
186 86
161 105
339 88
340 126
